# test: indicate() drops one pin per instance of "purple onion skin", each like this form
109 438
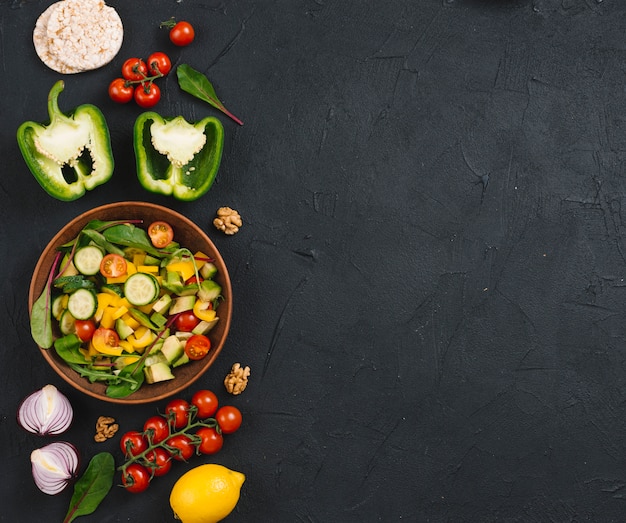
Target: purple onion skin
72 474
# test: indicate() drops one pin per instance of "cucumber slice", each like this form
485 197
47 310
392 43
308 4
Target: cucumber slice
59 305
87 260
67 323
82 304
141 288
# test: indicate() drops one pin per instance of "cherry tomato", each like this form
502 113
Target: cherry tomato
157 429
113 266
133 443
120 92
182 34
85 329
159 64
136 478
184 448
178 412
228 418
197 347
134 69
161 234
103 339
212 440
186 321
160 461
192 280
147 94
206 402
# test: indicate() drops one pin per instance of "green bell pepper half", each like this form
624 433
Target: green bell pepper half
175 157
70 155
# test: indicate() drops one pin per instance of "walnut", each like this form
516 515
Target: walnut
105 428
228 220
237 380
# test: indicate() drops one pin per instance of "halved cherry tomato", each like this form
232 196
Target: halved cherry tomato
134 69
178 411
104 338
85 329
186 321
156 429
161 234
133 443
183 447
113 266
159 64
160 461
228 418
136 478
197 347
206 402
212 441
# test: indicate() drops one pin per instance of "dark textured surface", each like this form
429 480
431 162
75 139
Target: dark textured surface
429 285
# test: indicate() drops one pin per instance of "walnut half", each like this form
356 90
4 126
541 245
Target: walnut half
237 380
228 220
105 428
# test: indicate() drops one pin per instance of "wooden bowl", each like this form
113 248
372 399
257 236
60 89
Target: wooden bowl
189 235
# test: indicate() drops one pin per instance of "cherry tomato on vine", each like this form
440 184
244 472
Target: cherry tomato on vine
178 411
228 418
85 329
147 94
104 339
183 445
206 402
212 440
134 69
186 321
182 34
160 461
119 92
197 347
113 266
133 443
161 234
135 478
159 430
159 64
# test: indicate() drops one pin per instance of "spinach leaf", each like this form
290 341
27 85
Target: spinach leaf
99 239
198 85
131 378
92 487
131 236
68 347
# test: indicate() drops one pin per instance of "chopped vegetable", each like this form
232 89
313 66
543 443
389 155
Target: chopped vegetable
54 466
46 412
70 155
175 157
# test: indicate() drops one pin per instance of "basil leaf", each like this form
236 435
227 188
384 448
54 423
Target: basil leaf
68 347
198 85
92 487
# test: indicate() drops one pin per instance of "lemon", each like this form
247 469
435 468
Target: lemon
206 494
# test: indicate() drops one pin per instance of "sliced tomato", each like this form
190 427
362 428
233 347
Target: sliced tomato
197 347
113 266
161 234
104 338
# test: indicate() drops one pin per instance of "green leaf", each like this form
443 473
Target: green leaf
41 320
92 487
131 378
68 347
131 236
198 85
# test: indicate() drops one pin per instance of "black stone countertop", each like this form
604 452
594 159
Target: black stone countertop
429 283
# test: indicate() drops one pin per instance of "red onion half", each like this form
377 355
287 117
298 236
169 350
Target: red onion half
54 466
46 412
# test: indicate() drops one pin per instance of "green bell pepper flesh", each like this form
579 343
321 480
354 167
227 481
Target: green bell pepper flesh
70 155
177 158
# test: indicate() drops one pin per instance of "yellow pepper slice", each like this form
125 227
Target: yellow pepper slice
203 310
